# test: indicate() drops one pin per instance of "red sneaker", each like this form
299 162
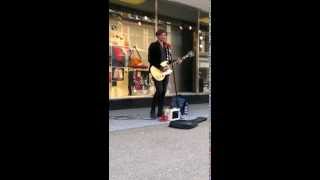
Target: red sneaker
163 118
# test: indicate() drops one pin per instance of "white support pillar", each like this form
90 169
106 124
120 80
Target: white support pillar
210 86
210 60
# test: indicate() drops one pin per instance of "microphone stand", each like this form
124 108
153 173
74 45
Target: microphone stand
174 78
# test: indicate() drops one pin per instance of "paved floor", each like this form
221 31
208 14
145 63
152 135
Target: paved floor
159 153
136 118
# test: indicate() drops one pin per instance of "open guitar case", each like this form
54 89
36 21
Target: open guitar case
183 124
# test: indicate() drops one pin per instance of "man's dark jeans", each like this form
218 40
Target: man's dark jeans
159 96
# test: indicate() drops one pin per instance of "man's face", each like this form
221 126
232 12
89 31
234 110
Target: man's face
163 37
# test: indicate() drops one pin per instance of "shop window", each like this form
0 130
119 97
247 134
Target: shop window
129 40
128 53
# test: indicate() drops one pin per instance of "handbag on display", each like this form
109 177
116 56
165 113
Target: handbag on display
115 74
135 59
118 74
138 81
118 56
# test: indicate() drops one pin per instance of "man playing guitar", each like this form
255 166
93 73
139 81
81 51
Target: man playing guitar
158 52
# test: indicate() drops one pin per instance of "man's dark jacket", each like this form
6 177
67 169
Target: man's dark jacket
156 54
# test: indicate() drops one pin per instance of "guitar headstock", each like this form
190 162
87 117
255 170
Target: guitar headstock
188 55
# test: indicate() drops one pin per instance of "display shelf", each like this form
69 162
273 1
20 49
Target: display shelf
204 54
131 68
129 47
168 95
137 69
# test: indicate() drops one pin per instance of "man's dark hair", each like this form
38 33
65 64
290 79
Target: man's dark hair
160 31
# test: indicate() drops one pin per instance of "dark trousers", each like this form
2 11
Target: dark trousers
159 96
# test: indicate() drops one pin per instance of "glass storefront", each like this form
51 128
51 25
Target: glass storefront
128 52
132 29
204 53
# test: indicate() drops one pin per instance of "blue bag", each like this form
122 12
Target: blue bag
180 102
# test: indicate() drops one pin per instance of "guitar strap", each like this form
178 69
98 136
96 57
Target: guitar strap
169 55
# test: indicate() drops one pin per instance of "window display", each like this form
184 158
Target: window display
128 48
135 59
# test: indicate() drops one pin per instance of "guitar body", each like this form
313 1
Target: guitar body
158 74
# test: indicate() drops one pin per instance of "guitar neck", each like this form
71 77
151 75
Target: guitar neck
189 54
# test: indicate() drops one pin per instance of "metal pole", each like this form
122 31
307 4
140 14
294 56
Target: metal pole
197 53
156 15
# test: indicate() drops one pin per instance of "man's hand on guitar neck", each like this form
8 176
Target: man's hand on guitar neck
164 63
165 68
179 61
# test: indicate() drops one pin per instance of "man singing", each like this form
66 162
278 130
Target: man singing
159 51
